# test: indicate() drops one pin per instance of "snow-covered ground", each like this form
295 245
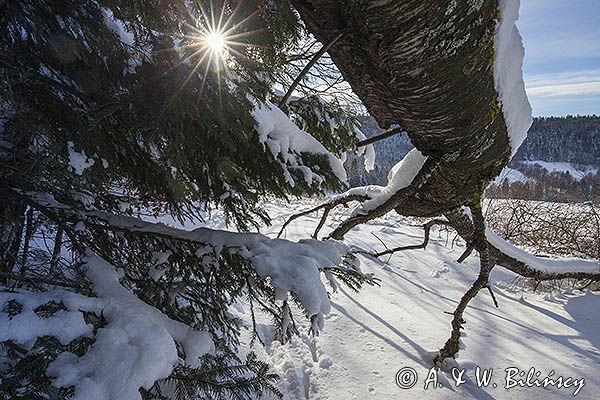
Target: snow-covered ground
369 336
577 172
511 175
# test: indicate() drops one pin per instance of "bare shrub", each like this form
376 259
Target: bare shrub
548 229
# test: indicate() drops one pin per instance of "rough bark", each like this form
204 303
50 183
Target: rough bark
426 65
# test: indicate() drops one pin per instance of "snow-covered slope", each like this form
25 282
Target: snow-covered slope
370 336
577 172
511 175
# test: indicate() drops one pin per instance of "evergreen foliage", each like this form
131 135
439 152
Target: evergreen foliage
111 109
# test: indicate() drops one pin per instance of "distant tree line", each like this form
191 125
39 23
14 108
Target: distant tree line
572 139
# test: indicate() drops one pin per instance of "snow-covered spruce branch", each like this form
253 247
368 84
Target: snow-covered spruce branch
293 267
185 267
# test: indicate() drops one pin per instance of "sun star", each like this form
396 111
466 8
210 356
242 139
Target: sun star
215 41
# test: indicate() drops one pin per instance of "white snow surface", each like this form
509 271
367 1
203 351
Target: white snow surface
136 348
286 141
577 172
542 264
511 175
508 74
369 336
64 325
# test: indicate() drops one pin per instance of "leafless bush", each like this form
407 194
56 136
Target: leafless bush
548 228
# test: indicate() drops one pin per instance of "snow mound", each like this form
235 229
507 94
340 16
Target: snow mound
65 325
400 176
286 142
135 349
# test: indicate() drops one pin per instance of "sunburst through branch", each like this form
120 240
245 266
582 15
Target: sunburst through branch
214 39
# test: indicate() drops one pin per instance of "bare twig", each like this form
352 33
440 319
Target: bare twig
288 94
423 245
466 253
379 137
328 206
489 288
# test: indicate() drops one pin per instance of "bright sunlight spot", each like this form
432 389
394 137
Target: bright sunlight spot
215 41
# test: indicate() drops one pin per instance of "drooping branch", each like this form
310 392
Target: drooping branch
389 204
469 249
328 206
489 288
464 227
486 264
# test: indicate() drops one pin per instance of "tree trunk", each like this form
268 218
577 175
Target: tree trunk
426 65
12 219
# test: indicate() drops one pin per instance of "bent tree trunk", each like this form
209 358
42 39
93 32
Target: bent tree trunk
426 65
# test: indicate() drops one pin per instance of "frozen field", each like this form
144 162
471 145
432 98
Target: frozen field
370 336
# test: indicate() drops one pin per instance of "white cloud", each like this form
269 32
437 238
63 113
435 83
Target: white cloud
585 82
585 88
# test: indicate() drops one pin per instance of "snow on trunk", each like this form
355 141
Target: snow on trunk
400 176
367 151
508 74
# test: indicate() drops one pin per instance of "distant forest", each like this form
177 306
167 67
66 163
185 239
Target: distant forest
562 139
571 139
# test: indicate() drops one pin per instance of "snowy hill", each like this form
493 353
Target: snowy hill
370 336
575 140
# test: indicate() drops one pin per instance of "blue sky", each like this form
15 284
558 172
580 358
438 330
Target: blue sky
562 55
